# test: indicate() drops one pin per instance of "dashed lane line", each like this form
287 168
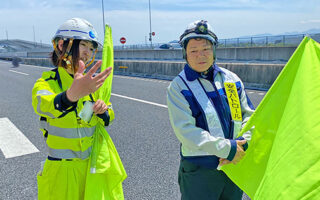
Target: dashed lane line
40 67
141 79
139 100
19 72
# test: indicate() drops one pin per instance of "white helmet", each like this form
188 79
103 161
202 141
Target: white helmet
77 28
198 29
74 29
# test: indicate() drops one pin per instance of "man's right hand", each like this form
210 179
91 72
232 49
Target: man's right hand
239 154
83 85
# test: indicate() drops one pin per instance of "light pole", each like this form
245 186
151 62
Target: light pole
34 36
150 34
104 25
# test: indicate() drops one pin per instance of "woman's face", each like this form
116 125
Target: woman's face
85 50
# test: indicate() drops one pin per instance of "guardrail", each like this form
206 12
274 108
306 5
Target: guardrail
267 41
144 46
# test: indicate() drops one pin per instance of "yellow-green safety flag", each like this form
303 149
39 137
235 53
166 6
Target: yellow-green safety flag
283 158
106 172
104 92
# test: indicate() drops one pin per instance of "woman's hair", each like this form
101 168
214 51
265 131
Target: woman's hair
74 52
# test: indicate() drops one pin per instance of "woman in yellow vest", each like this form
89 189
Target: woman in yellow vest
69 113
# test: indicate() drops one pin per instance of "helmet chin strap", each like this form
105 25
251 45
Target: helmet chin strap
94 55
68 58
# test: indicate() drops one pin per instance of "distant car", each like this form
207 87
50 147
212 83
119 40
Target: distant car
166 46
170 46
176 45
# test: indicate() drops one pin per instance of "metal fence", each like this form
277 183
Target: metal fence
143 46
134 46
267 41
263 41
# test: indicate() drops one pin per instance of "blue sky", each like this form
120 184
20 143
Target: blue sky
130 18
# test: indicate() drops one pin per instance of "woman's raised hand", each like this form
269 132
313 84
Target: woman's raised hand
85 84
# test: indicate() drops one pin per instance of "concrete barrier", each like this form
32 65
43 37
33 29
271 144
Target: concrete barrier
38 54
5 55
254 75
155 54
235 53
256 53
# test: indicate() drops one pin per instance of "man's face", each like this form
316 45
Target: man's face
85 50
199 54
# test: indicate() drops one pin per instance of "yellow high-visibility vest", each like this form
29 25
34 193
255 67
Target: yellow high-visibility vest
67 136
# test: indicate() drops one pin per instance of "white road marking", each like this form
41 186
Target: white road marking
18 72
261 93
139 100
141 79
41 67
13 142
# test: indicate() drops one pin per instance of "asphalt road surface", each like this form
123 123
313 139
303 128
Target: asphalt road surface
141 132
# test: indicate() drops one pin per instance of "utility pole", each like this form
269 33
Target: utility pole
104 24
150 34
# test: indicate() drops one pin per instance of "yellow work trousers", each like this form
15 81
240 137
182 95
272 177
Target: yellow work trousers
71 180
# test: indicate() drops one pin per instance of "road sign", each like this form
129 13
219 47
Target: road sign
123 40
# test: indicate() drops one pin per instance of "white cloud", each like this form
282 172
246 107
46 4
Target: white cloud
310 21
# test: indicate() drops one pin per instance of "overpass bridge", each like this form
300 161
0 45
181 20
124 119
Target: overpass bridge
22 45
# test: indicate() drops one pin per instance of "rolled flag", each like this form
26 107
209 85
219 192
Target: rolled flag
106 172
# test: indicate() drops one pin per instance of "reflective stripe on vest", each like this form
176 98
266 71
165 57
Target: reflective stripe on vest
67 153
70 132
208 108
69 142
43 93
67 132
